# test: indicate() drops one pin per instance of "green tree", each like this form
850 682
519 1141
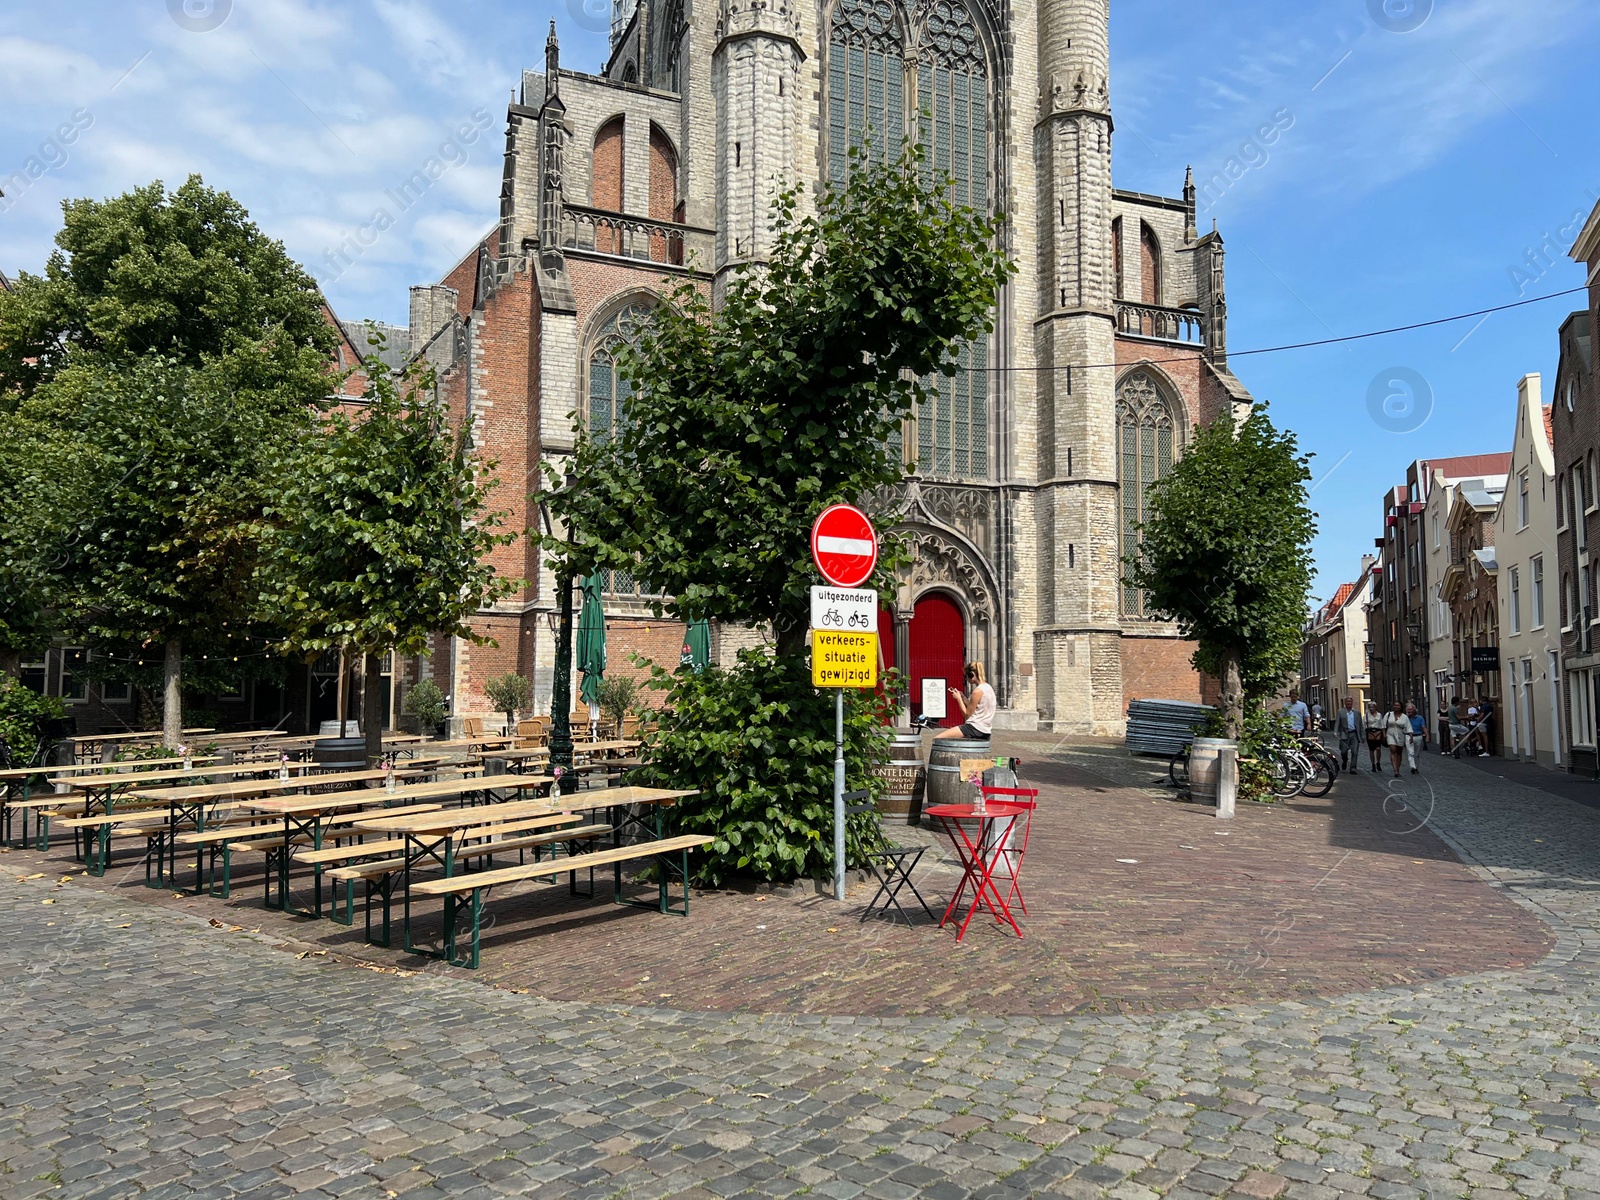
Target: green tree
380 535
743 422
159 550
186 275
510 694
1226 552
38 478
175 350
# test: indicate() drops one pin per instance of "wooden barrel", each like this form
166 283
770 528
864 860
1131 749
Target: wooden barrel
944 770
1203 770
905 777
333 755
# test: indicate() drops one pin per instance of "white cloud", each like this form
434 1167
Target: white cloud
1387 105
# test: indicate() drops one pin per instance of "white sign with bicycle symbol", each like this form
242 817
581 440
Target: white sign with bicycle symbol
846 610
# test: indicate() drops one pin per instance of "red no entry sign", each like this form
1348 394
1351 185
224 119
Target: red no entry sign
843 545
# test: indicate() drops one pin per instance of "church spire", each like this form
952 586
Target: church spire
552 64
1190 231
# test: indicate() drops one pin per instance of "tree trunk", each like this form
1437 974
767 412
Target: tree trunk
791 629
172 695
339 693
372 707
1232 694
11 663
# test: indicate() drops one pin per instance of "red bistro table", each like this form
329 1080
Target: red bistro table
979 858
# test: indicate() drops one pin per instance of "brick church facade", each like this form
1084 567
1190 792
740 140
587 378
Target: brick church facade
1031 464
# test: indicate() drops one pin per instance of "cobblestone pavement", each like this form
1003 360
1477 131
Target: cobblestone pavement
1136 904
151 1054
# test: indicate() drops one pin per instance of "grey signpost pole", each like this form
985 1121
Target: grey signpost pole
838 794
845 548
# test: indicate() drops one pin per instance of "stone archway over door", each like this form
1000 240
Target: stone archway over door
938 637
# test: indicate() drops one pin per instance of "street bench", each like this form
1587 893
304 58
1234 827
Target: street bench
379 876
471 887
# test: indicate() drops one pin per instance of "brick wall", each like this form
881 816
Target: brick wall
607 168
1158 669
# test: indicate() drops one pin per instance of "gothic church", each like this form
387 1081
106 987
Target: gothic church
1032 464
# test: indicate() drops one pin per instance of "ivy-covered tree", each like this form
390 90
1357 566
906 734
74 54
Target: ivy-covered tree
175 351
380 535
743 421
1226 552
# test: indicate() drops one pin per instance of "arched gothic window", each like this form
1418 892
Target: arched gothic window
1148 439
875 98
866 81
608 405
1149 265
608 391
953 101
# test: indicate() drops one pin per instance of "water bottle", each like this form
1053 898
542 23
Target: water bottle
283 769
388 779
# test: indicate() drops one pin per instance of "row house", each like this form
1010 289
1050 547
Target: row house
1405 616
1334 659
1525 551
1469 588
1575 431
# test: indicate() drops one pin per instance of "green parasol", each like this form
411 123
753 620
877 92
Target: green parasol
591 648
697 645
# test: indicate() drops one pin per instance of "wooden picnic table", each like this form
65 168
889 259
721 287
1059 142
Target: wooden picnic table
16 785
398 742
131 735
303 816
107 786
433 837
469 744
606 747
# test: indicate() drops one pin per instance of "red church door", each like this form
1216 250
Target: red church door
938 649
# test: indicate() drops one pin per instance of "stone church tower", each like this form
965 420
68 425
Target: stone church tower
1031 465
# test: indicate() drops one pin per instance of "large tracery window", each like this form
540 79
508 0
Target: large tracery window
1148 440
942 100
608 403
608 391
866 82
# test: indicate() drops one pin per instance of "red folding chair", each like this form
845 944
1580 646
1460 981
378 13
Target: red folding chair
1013 855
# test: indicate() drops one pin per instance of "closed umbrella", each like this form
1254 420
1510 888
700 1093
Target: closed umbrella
697 645
591 646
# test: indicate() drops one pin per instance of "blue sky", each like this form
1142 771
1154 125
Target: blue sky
1429 149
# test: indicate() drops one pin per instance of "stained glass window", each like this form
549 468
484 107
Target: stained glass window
608 391
944 103
1147 442
608 400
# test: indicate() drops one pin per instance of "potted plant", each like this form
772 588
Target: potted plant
510 694
619 697
425 704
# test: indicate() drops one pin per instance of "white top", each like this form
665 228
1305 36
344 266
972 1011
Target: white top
981 717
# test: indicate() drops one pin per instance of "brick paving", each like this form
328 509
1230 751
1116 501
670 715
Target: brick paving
1311 898
154 1054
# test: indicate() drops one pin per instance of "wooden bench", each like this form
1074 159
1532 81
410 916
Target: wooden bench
472 886
264 834
379 876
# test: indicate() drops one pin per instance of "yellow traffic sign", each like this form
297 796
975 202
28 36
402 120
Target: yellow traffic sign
844 660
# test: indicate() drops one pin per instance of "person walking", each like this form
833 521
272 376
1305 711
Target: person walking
1375 736
1396 732
1351 726
1418 737
1299 714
